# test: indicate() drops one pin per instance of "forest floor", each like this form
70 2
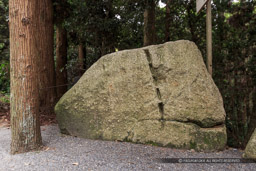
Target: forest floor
61 152
45 118
4 111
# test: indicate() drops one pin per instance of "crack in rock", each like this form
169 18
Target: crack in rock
154 71
194 122
154 76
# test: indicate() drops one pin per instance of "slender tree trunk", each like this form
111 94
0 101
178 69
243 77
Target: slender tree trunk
47 69
26 27
81 59
61 61
149 23
209 36
167 21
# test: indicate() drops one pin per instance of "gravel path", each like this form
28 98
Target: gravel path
70 153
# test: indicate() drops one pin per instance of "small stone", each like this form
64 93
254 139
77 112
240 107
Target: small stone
192 150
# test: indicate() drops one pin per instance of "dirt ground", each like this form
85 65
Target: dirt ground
45 118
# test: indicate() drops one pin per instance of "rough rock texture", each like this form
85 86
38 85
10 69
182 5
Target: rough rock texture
160 95
250 150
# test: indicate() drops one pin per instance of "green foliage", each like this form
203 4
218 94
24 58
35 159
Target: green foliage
4 32
4 47
192 145
130 32
4 98
234 66
4 77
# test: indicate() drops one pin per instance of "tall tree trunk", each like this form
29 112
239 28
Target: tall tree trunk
209 36
47 69
81 59
61 60
167 21
26 26
149 23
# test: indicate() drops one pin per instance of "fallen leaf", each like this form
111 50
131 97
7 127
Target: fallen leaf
46 149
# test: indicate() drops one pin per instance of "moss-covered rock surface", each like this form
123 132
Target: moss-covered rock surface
250 150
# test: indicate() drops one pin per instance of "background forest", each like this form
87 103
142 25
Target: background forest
86 30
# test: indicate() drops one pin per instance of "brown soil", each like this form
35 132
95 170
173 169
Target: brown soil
45 118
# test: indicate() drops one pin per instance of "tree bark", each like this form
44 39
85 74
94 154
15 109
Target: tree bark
149 23
167 21
26 27
61 61
47 69
209 36
81 59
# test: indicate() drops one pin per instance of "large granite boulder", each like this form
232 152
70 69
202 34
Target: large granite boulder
160 95
250 150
